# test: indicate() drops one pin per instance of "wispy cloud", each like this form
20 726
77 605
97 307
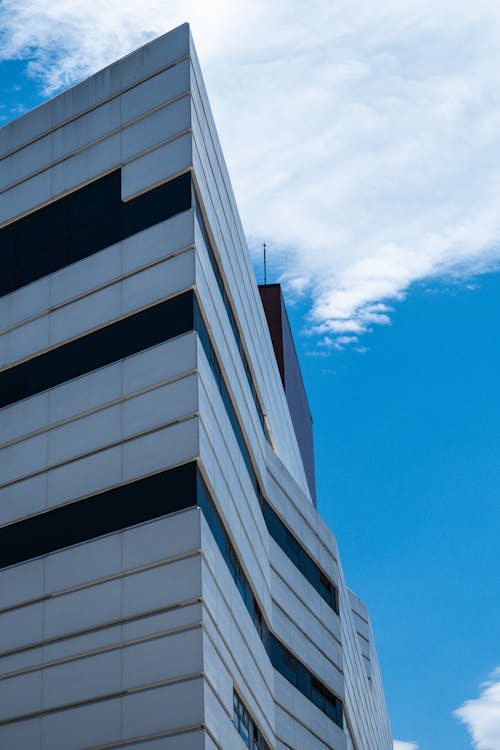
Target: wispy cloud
362 138
481 715
398 745
339 342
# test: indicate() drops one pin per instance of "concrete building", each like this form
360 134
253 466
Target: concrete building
166 582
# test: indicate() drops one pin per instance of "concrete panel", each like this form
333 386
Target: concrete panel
160 53
159 363
21 734
21 583
83 609
84 435
25 302
177 617
158 241
21 627
23 417
161 539
86 274
162 659
25 197
24 341
85 166
90 312
161 449
156 167
77 134
61 143
155 91
26 127
20 695
23 458
82 727
192 740
26 161
85 392
17 661
78 645
160 406
144 713
82 679
23 498
83 563
157 128
162 280
84 477
162 587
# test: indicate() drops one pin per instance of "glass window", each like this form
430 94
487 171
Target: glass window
82 223
281 658
297 554
97 349
246 726
241 719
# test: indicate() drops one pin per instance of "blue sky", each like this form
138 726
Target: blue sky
407 446
362 140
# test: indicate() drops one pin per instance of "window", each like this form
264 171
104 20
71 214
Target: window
247 728
298 555
82 223
281 658
241 719
98 349
106 512
143 500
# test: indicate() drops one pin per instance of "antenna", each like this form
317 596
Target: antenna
265 262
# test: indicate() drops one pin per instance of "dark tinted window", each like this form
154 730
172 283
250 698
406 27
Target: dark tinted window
298 555
281 658
119 508
109 344
246 726
143 500
82 223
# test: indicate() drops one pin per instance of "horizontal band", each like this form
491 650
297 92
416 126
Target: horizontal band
98 349
95 516
145 499
82 223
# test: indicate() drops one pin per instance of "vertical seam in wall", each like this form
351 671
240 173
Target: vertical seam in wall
122 393
42 677
249 690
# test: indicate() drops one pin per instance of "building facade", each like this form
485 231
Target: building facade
166 582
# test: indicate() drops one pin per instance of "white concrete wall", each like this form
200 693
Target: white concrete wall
142 634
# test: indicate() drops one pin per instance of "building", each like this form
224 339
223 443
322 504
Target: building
166 581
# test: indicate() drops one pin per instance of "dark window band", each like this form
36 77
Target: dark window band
102 347
100 514
277 529
81 224
153 497
129 336
91 219
281 658
300 558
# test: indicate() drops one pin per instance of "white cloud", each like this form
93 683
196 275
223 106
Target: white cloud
338 343
361 137
398 745
482 715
